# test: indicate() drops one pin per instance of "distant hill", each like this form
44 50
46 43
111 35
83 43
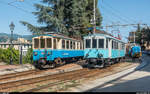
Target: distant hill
4 37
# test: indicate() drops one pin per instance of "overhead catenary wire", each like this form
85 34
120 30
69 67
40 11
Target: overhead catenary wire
115 15
21 9
118 12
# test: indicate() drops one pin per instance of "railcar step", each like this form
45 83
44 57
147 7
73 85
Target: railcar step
97 66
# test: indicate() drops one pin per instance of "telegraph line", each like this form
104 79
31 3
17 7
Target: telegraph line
115 15
9 4
118 12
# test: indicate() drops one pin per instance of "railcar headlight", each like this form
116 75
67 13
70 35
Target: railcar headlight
100 55
42 53
87 55
35 53
49 53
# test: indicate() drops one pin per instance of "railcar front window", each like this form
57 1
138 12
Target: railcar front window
101 43
36 43
94 43
42 42
49 43
88 43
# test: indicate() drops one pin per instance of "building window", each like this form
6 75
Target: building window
4 46
88 43
101 43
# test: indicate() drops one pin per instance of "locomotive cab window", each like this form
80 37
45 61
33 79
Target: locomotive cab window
94 43
42 42
36 43
101 43
88 43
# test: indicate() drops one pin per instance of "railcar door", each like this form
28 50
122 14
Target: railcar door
110 48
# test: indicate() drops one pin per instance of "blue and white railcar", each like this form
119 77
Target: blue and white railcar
54 49
101 49
135 50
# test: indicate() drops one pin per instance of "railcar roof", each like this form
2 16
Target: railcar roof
105 35
57 36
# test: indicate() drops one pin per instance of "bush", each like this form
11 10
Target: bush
5 55
28 58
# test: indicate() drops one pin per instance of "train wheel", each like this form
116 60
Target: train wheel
41 64
58 61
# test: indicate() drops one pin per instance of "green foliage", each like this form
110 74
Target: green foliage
144 34
28 58
5 55
70 17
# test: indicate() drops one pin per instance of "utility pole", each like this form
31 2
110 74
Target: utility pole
94 17
134 37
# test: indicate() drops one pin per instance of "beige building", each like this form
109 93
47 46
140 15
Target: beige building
132 37
17 45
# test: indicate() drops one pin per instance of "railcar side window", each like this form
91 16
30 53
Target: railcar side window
101 43
106 43
112 44
123 46
42 42
94 43
36 43
116 45
81 45
71 44
67 45
74 45
63 44
88 43
49 43
54 43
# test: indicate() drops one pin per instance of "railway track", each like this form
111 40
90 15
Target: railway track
80 76
19 75
57 78
7 77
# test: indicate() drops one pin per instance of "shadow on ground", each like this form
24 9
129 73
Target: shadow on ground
119 85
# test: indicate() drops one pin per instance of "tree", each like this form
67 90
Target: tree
70 17
143 34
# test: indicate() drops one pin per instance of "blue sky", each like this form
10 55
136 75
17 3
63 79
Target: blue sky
113 12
